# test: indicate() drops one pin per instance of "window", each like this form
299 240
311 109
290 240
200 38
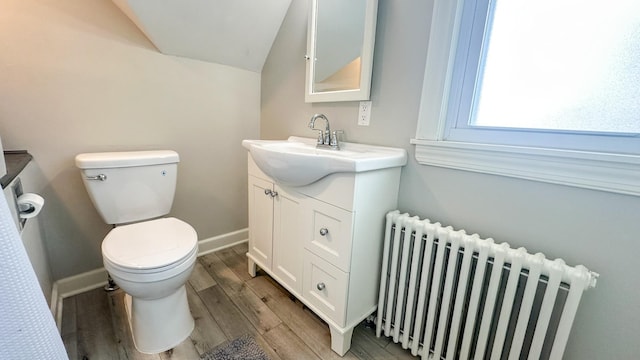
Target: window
544 90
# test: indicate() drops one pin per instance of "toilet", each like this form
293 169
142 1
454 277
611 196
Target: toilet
149 256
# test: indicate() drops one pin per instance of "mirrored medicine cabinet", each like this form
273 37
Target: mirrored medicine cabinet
339 57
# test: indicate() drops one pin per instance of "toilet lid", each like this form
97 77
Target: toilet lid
149 244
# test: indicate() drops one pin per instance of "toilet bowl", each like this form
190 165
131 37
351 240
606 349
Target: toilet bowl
153 273
148 256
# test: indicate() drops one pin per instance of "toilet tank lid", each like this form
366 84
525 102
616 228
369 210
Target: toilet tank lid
119 159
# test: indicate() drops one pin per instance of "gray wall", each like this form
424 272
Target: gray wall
597 229
77 76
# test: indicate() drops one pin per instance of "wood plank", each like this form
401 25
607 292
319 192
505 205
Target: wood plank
237 263
397 351
69 316
221 273
96 338
364 347
184 351
122 331
207 334
200 279
267 285
259 314
370 331
271 352
287 344
241 249
314 333
68 327
225 313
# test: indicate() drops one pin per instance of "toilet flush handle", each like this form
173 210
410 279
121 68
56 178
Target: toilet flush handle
101 177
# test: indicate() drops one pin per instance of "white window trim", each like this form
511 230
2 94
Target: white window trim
599 171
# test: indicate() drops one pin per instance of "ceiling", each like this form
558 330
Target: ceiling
237 33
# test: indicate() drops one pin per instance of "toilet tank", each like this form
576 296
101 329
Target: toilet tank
130 186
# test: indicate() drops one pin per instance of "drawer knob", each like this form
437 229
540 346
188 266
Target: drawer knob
320 286
270 193
267 191
101 177
324 231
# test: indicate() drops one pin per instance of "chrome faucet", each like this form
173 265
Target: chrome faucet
326 137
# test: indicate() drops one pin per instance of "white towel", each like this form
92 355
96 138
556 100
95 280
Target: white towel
27 328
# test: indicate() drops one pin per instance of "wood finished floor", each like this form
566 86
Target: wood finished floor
225 303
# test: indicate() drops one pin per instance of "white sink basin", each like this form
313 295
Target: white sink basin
297 162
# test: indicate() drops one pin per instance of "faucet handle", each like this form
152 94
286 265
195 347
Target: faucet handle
334 138
320 140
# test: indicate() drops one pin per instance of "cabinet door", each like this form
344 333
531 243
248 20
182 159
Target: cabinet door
260 221
288 242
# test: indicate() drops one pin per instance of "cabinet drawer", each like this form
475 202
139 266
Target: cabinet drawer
325 286
330 236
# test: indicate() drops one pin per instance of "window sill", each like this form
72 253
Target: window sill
597 171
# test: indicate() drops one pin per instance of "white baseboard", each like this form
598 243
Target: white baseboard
93 279
74 285
223 241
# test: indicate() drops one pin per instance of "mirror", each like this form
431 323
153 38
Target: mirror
339 56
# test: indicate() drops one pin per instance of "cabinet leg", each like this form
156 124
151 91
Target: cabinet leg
340 341
252 267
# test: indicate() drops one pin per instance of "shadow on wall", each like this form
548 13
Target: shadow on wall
70 230
104 19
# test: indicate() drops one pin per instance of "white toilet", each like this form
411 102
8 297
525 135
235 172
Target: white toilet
149 257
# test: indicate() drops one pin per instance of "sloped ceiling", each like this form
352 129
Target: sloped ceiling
237 33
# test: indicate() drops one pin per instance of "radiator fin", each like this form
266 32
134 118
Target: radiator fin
448 295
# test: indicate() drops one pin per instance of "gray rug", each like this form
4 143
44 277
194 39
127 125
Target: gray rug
242 348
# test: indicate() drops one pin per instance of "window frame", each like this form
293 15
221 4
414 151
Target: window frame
619 173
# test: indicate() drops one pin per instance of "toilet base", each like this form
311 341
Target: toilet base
161 324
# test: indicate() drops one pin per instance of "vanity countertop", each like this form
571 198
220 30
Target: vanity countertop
16 161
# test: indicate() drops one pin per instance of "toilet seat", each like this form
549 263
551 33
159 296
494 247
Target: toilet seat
150 246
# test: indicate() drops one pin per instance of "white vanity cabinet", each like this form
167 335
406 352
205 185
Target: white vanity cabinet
323 241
